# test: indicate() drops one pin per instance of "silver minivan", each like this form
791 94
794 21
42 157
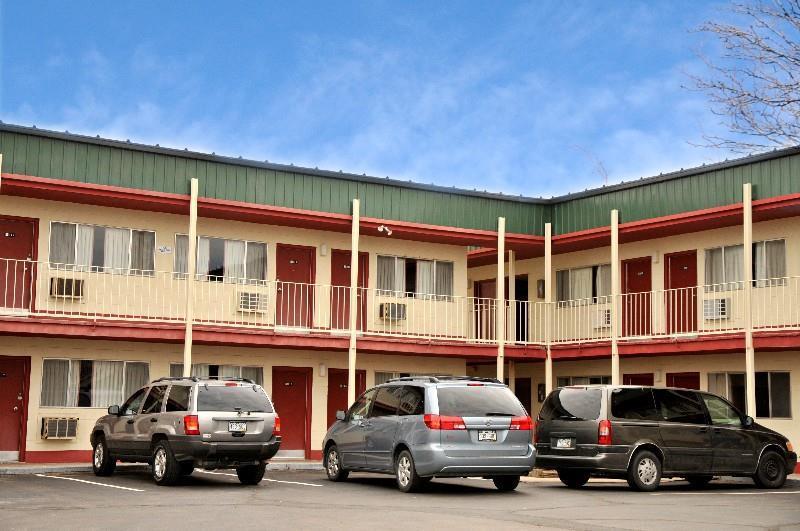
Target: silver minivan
418 428
177 424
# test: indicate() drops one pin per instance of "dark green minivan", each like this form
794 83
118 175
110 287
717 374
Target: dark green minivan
645 433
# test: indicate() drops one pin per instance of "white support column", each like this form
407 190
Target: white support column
351 358
749 351
512 376
191 269
616 299
549 310
511 325
500 312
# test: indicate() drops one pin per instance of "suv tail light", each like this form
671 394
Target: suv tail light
191 426
521 423
604 433
277 429
442 422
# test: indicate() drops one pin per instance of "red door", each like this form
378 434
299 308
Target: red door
17 240
636 286
686 380
680 282
295 291
291 394
340 290
337 391
485 292
645 378
13 398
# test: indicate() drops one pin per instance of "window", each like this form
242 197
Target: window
360 409
386 401
721 412
102 249
205 370
773 395
680 406
132 405
154 400
178 398
410 277
584 285
220 260
730 385
89 383
572 404
634 404
412 401
725 265
564 381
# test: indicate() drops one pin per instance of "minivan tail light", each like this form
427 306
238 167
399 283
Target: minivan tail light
521 423
443 422
535 434
604 433
277 429
191 425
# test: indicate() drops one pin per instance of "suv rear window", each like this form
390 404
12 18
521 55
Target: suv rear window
225 398
478 401
572 404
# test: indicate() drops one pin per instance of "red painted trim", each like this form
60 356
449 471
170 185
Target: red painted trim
59 456
315 455
797 468
308 372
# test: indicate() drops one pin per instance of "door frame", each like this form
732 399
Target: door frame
26 386
667 286
308 373
34 252
313 268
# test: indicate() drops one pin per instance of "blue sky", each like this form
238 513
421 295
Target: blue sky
522 98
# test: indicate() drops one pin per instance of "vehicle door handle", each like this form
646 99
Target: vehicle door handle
130 421
153 419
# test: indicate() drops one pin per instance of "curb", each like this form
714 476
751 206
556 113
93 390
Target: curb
61 468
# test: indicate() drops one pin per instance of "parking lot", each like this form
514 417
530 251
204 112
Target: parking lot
305 500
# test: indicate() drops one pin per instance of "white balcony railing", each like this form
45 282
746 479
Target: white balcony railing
65 291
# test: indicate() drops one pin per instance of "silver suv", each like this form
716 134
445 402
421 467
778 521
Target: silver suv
418 428
177 424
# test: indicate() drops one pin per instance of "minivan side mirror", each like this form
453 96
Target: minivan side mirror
113 410
748 421
340 415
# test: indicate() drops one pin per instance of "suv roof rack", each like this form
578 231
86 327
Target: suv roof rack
175 379
444 378
196 379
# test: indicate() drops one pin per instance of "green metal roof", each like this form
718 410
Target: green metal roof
32 151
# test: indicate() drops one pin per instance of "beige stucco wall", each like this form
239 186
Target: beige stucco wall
161 355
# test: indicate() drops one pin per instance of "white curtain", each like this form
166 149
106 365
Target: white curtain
117 250
734 266
770 259
400 276
580 283
203 256
562 285
142 249
717 384
175 370
229 371
200 370
55 381
386 273
234 259
256 267
137 375
424 287
74 383
107 383
603 287
444 279
181 265
85 245
62 243
254 373
715 272
383 377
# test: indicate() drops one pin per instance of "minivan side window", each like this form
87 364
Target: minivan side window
680 406
634 404
412 401
152 404
360 409
721 412
386 401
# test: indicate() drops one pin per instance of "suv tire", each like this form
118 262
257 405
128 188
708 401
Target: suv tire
771 471
187 467
333 464
573 479
506 483
164 467
103 463
251 474
406 473
644 472
699 482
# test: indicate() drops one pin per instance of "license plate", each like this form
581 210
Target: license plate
487 435
237 427
563 443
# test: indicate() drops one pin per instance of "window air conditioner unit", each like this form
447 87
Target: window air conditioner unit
59 427
716 309
252 302
392 311
602 319
66 288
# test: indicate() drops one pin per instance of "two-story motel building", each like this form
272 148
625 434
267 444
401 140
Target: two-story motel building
121 263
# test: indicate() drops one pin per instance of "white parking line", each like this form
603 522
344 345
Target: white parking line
265 479
718 492
90 482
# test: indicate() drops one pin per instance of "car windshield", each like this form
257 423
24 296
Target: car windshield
479 401
229 398
572 404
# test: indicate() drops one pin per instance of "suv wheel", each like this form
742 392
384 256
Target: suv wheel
771 471
103 464
699 482
251 474
506 483
165 468
406 473
644 472
573 479
333 465
187 467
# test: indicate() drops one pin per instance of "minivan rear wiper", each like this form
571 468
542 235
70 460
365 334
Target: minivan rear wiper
498 414
568 417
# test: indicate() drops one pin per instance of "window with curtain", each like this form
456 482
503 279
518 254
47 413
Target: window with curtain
219 259
773 392
410 277
725 265
90 383
769 263
730 385
204 370
584 285
102 249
